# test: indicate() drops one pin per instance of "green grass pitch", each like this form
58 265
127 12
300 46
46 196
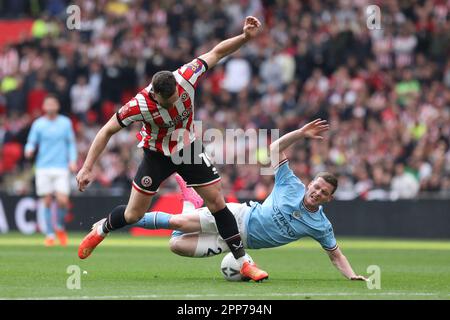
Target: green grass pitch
124 267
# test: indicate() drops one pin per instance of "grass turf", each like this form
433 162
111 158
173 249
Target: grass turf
124 267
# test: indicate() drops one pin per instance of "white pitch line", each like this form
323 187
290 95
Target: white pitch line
306 294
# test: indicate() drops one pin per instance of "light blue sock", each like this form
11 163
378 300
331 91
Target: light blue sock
48 222
60 219
154 220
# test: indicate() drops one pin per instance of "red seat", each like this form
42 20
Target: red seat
108 110
11 154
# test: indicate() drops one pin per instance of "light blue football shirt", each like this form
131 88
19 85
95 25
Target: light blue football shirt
282 218
55 141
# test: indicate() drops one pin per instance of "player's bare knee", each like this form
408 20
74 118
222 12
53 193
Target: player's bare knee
178 247
173 245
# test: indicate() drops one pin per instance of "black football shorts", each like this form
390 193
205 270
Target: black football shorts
191 163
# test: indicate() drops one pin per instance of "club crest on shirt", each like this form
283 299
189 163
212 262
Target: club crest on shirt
146 181
177 119
184 96
296 214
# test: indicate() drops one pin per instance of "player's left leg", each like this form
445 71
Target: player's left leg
153 170
62 191
235 243
62 201
119 217
185 222
224 221
201 174
45 189
47 214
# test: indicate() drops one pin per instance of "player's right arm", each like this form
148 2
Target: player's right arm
311 130
328 242
124 117
71 142
252 26
341 263
32 140
85 176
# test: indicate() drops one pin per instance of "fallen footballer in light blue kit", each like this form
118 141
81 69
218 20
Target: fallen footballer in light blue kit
291 211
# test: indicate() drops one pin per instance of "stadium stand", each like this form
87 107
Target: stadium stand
386 93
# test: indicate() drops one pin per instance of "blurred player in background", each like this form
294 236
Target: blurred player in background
53 138
165 108
292 211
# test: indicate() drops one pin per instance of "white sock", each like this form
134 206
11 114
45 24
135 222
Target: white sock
100 230
243 259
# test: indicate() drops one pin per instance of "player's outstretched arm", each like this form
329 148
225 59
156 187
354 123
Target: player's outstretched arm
85 176
312 130
341 263
251 29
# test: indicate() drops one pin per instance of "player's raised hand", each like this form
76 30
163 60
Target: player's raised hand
252 26
314 129
84 177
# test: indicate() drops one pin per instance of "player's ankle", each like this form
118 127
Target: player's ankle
244 258
100 231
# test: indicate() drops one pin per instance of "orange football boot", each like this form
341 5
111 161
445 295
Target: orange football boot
251 271
49 241
62 237
91 241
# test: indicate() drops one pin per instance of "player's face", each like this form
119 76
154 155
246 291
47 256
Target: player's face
50 106
319 192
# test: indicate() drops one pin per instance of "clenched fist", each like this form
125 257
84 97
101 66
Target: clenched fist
84 177
252 27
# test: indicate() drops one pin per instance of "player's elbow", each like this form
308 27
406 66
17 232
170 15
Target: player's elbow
275 154
213 57
273 147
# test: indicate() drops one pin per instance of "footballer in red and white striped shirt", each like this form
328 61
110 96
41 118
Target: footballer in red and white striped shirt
165 108
164 122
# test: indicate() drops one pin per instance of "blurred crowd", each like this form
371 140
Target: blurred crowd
384 89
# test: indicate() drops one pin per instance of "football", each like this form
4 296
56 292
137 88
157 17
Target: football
230 268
